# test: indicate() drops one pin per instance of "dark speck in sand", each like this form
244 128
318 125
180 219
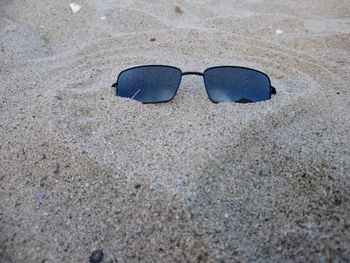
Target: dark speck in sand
57 170
338 201
137 186
152 39
96 256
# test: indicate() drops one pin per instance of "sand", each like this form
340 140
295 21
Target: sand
184 181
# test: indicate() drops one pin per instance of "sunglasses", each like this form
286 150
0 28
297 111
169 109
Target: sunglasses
159 83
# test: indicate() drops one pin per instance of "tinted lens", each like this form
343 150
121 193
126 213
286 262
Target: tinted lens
235 84
149 84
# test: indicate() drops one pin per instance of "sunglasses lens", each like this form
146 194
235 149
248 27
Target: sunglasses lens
149 84
235 84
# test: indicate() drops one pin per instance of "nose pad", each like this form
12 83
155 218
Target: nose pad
192 89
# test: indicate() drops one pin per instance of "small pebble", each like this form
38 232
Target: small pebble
40 197
178 10
75 7
178 183
279 31
152 39
137 186
96 256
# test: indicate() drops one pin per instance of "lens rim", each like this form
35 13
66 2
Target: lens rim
239 67
147 66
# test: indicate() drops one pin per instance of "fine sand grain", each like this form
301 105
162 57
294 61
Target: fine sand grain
184 181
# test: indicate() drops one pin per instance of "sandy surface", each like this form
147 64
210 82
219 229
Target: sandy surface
188 180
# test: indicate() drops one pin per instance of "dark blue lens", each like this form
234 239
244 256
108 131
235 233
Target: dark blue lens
149 84
237 84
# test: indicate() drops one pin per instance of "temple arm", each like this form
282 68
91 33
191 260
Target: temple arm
273 90
115 85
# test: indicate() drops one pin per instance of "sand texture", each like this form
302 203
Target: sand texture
184 181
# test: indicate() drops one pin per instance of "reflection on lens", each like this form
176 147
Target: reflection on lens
236 84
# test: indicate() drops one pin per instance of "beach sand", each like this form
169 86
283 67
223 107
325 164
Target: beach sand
184 181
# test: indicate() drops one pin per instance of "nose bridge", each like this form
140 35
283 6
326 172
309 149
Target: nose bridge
192 73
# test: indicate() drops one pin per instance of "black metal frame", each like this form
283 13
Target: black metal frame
115 85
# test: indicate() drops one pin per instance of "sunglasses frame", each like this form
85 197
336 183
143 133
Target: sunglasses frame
115 85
